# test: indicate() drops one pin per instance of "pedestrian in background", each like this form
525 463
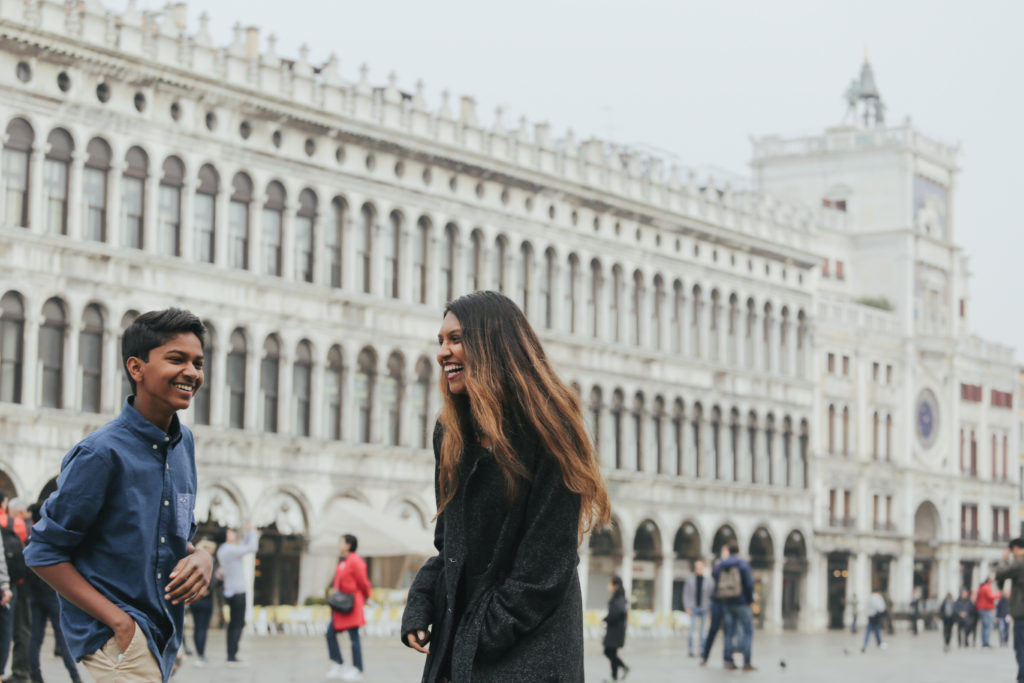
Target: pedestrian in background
202 610
986 604
229 556
876 611
854 605
517 486
350 577
697 591
716 611
615 634
947 612
964 617
1012 569
734 585
1003 616
18 620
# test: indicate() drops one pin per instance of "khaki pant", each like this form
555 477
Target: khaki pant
137 666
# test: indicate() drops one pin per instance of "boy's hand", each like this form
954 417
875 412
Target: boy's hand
190 577
418 640
5 598
124 632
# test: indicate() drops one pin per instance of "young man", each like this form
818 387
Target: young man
230 555
1012 567
697 592
113 540
734 587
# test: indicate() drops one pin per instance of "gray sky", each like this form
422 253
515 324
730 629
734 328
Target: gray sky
696 79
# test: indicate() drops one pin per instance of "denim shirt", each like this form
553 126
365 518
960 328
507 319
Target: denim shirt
123 515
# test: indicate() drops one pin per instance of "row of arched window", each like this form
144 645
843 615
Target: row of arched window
259 385
658 436
332 244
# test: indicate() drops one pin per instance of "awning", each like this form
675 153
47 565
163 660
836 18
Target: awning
379 534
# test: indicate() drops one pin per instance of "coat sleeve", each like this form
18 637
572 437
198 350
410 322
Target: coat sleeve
543 566
1009 570
363 580
418 614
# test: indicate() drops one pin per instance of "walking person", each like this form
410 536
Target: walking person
716 611
734 585
202 611
947 612
1012 569
517 485
854 604
1003 617
964 616
615 635
350 578
986 604
697 590
113 540
17 627
229 556
876 610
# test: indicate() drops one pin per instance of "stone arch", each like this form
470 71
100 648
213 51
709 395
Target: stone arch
723 535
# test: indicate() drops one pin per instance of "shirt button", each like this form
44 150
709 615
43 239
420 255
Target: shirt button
166 503
159 575
163 539
166 439
155 447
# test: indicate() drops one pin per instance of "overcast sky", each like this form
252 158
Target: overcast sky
697 79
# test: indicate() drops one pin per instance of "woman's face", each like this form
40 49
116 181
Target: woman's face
450 355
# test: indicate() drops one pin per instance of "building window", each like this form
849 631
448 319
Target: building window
846 366
94 190
1000 399
273 220
525 279
839 270
449 253
334 379
205 212
391 395
636 313
363 392
970 393
420 249
305 221
236 380
392 255
888 374
302 381
824 268
572 283
888 513
658 313
475 267
364 248
676 318
12 340
832 518
846 430
888 437
696 313
830 363
498 268
202 400
55 182
875 424
637 429
617 411
752 445
678 442
421 401
974 456
51 353
90 358
716 441
334 240
169 207
133 198
270 377
831 429
969 522
594 299
657 431
17 152
238 222
547 288
615 304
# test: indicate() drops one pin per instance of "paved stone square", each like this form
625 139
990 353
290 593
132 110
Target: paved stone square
832 657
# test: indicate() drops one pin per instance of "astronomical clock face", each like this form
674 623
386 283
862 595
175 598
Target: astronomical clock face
926 417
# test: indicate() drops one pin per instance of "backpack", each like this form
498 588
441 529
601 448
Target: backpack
14 552
730 583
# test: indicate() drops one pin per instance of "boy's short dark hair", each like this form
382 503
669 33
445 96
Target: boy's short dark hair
1017 543
734 547
352 541
153 329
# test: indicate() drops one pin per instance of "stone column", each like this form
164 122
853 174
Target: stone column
31 368
627 565
217 382
316 392
288 271
253 391
663 598
113 371
859 584
114 227
150 211
773 613
901 584
285 397
221 211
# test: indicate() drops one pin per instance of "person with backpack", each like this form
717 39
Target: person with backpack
14 620
876 617
734 587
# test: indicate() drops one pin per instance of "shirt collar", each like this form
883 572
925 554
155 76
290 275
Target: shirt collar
146 430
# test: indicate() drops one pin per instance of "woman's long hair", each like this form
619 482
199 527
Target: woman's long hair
510 387
617 582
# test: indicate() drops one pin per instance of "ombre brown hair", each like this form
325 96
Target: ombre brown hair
511 388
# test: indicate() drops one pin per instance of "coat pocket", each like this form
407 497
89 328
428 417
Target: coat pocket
184 508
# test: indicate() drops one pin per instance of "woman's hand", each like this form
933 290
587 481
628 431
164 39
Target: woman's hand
418 639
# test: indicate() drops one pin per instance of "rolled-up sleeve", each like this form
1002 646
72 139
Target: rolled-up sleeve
69 513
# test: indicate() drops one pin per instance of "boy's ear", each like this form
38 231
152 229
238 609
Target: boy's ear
134 365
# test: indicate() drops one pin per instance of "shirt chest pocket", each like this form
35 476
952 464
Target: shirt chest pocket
184 504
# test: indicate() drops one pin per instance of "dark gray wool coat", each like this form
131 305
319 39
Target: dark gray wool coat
520 617
615 636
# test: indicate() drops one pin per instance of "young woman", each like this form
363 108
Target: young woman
615 636
517 484
349 577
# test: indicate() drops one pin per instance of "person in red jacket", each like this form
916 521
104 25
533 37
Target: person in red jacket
350 577
987 596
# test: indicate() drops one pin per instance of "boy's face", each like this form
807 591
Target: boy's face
170 378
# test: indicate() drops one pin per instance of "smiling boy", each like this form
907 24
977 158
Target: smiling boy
113 540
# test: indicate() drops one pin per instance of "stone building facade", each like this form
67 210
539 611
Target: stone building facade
319 226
